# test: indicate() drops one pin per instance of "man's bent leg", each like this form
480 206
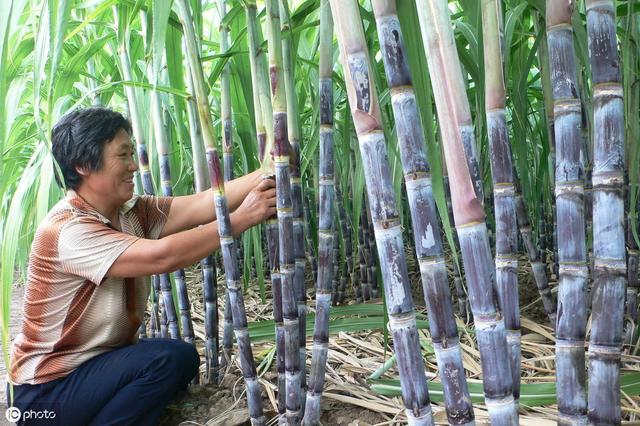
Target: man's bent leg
128 385
174 364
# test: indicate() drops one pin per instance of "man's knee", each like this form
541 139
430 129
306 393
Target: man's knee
179 358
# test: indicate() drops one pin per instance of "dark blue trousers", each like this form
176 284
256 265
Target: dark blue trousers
127 386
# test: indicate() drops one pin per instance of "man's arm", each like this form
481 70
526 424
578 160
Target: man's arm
181 249
198 209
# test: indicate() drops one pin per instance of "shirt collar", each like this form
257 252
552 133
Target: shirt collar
81 205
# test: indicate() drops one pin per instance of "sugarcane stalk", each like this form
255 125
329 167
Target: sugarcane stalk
284 207
293 128
256 63
538 267
361 91
365 259
371 265
364 292
225 98
309 246
503 186
184 306
158 314
264 133
209 282
261 89
347 244
572 258
162 145
165 185
278 318
335 283
456 127
227 159
326 226
227 242
424 218
609 250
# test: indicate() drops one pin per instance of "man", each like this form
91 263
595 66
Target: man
85 296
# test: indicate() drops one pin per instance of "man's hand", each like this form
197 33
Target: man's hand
258 205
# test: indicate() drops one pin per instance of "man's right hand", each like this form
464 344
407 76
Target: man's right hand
258 205
181 249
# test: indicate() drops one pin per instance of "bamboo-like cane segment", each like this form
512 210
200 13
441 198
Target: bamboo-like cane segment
209 287
285 216
162 145
227 242
363 290
363 101
309 246
547 95
455 126
293 128
503 186
366 262
372 253
326 227
609 251
538 267
227 158
426 229
345 227
572 257
264 132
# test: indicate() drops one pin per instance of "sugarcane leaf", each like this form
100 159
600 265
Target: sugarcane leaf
160 17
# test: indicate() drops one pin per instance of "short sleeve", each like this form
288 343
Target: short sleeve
153 213
88 247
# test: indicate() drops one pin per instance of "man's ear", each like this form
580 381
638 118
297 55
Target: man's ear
82 171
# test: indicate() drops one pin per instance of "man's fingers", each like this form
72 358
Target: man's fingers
266 184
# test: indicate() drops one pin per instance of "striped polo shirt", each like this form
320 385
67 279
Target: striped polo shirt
72 312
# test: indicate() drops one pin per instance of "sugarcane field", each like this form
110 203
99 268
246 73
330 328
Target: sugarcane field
320 212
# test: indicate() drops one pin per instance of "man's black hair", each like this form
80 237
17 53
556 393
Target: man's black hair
78 140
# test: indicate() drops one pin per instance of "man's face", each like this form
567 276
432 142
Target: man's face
114 179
